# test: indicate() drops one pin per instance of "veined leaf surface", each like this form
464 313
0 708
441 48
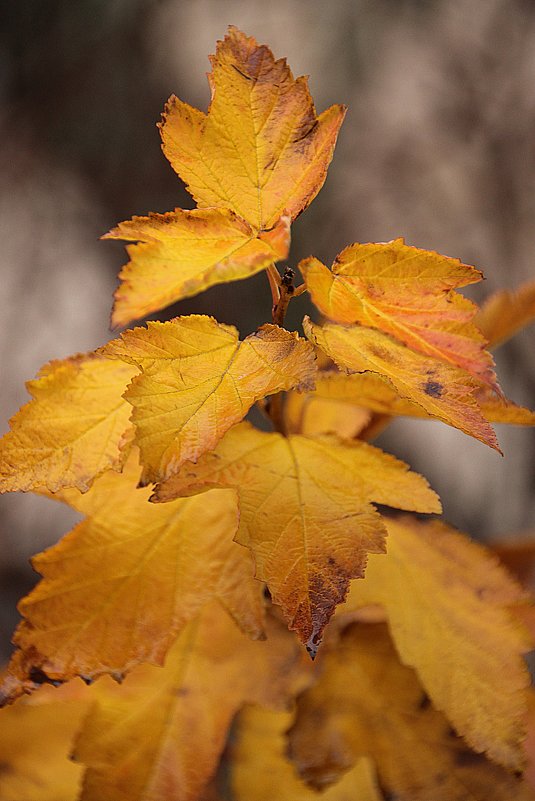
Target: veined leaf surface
261 150
182 253
408 293
76 426
197 380
305 512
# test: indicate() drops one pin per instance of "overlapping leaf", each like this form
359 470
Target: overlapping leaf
443 391
367 703
506 312
446 599
305 513
360 392
159 736
197 380
408 293
76 426
260 769
119 588
261 151
182 253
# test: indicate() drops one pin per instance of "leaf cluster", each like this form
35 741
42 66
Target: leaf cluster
212 551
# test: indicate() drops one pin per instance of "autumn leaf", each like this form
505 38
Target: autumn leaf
160 735
76 426
198 380
182 253
261 151
445 392
260 769
305 513
36 737
359 393
312 414
408 293
121 586
506 312
446 600
367 703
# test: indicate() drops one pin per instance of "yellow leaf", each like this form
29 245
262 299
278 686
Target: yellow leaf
261 151
119 588
76 426
446 599
367 703
408 293
443 391
159 736
310 414
260 769
506 312
36 737
198 380
182 253
368 391
305 513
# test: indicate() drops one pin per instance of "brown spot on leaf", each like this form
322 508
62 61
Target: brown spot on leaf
433 389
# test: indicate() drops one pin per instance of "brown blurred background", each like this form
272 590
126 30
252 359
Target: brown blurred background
438 147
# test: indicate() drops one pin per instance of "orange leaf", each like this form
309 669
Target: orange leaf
159 736
506 312
198 380
305 513
75 427
367 703
446 600
261 151
119 588
408 293
185 252
443 391
261 771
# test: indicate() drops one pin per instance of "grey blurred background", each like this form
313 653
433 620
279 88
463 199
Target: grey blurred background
438 146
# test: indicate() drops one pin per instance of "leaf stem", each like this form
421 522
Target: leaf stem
285 292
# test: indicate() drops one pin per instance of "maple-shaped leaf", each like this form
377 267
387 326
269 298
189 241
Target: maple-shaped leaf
159 736
119 588
506 312
445 392
361 392
261 771
305 512
197 380
446 600
36 737
261 150
367 703
76 426
182 253
408 293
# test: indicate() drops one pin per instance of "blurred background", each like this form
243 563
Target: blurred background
438 146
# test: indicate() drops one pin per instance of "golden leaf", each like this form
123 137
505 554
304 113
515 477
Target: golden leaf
198 380
260 769
443 391
120 587
446 600
506 312
408 293
305 513
36 737
261 151
182 253
312 414
367 703
159 736
76 426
